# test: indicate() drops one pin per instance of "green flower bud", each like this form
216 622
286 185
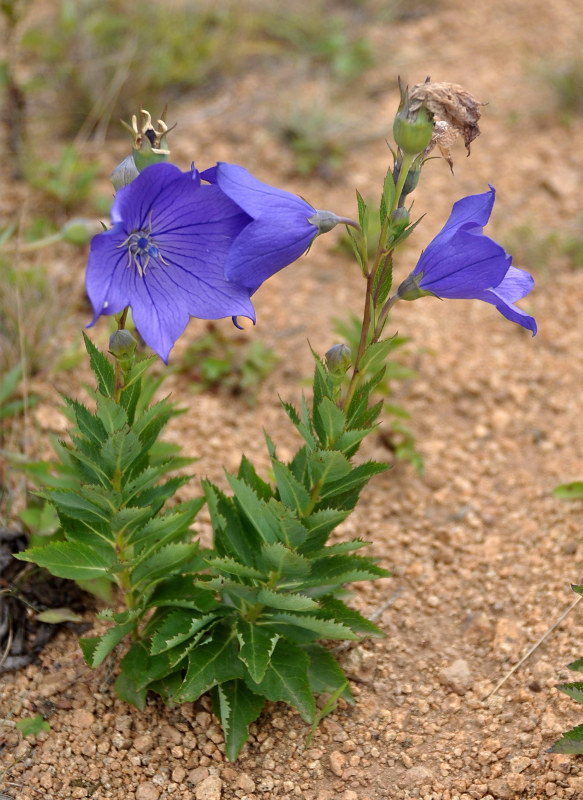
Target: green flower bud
399 220
412 130
338 359
149 143
122 346
326 220
80 231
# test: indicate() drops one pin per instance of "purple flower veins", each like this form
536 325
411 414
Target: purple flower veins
165 255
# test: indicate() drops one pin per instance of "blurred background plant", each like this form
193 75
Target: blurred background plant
234 364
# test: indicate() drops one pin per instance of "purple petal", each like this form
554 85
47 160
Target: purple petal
253 196
108 280
266 246
133 203
464 265
516 285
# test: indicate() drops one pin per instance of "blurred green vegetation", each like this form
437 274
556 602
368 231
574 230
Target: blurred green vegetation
565 80
236 365
98 56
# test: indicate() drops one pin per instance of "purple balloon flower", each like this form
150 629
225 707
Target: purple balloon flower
462 263
165 256
282 229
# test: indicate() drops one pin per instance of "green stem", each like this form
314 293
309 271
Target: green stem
119 376
403 173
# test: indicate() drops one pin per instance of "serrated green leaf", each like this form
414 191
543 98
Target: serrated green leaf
374 356
326 628
177 627
302 426
291 491
68 560
111 414
151 422
335 570
231 537
233 567
248 474
255 647
79 506
88 423
569 491
101 368
335 609
331 421
97 648
211 662
324 673
389 191
290 531
163 562
284 562
328 466
120 451
320 525
574 690
351 483
237 707
577 665
571 743
286 680
254 509
286 601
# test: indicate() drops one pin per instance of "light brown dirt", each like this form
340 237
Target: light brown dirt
482 553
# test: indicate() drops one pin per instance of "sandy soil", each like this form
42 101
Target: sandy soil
482 553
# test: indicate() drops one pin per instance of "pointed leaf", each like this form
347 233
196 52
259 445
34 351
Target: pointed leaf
237 707
324 673
286 601
325 628
286 679
570 743
256 646
331 421
97 648
177 627
285 562
211 662
67 560
574 690
292 493
101 367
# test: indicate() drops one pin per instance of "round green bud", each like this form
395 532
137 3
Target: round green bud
413 135
338 359
122 345
399 220
80 231
410 289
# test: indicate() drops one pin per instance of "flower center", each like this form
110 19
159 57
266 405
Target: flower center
141 248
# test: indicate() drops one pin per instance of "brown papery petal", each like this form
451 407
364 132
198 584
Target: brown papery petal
452 104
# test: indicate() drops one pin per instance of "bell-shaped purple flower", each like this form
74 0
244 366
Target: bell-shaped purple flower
462 263
282 229
165 256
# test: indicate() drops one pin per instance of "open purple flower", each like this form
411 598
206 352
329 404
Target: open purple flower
282 229
462 263
165 256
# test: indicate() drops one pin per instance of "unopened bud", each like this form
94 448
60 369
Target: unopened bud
399 220
412 129
326 220
338 359
80 231
124 173
122 346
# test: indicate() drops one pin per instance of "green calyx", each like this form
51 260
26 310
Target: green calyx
412 130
